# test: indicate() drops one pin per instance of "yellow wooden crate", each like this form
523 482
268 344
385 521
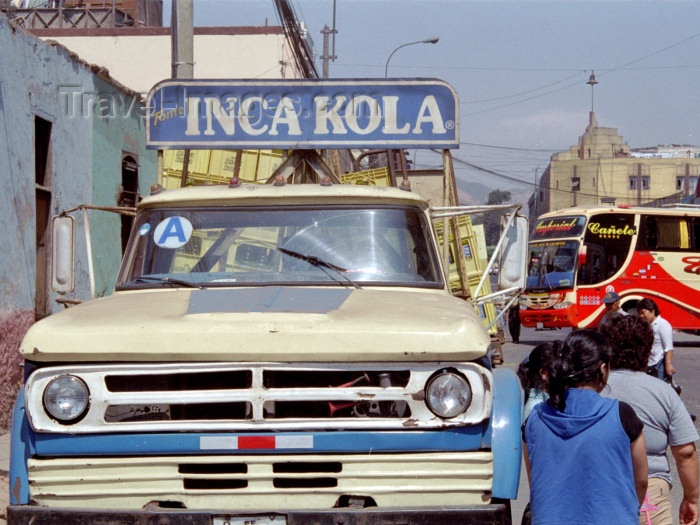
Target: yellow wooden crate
375 177
217 166
199 160
473 263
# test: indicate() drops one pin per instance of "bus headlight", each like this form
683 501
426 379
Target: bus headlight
565 304
448 395
66 399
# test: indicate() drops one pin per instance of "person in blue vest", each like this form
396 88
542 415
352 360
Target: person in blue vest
532 373
586 453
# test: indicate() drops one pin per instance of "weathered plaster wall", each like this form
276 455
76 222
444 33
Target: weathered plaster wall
38 79
37 91
118 128
22 97
141 60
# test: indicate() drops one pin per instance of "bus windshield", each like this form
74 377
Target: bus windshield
552 265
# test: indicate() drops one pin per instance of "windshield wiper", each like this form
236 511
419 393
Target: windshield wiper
320 263
165 280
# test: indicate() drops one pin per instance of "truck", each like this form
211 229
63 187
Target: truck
272 354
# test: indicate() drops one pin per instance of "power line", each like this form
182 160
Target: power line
523 92
516 69
552 150
624 66
578 83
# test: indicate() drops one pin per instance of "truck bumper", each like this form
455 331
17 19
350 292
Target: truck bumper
496 514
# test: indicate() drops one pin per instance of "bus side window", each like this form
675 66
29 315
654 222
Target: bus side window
670 233
652 235
590 273
684 234
696 231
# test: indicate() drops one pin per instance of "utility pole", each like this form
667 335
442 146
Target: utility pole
182 41
639 184
537 192
328 50
326 56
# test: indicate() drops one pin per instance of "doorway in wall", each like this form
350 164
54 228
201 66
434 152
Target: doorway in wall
128 196
43 184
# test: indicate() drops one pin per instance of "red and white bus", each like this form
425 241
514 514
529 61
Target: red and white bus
577 255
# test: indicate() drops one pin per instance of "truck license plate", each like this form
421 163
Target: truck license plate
249 520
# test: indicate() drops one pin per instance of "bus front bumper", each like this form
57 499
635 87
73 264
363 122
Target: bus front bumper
549 318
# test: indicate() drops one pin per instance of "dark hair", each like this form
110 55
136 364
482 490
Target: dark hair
577 364
631 338
530 370
648 304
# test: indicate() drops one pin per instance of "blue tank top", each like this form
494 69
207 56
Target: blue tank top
580 463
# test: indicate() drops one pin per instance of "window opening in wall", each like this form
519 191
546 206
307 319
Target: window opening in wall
646 183
680 183
42 196
128 193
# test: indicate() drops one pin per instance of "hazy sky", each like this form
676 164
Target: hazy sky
520 68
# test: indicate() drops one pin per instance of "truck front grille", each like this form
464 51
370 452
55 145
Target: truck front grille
204 397
294 482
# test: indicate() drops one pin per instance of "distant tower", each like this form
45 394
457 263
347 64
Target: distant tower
592 82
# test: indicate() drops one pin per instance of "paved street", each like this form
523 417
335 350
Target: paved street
686 359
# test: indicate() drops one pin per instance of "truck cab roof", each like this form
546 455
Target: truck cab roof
287 194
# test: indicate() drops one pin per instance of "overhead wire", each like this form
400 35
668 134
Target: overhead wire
603 71
530 183
624 66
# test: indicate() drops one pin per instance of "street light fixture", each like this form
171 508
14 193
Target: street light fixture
431 40
592 82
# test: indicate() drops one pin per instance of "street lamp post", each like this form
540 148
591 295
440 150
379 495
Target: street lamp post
592 82
432 40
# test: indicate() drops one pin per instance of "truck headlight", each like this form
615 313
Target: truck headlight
448 395
66 398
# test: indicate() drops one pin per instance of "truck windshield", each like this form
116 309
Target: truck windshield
349 246
552 265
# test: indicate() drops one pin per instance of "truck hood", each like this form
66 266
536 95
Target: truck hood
272 324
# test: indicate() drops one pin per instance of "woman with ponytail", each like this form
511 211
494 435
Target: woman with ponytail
586 453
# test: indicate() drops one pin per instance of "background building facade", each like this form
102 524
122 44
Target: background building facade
602 169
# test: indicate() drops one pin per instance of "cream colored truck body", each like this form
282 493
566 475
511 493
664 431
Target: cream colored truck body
190 386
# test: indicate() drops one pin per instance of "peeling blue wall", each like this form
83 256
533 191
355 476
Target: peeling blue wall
118 127
87 142
44 80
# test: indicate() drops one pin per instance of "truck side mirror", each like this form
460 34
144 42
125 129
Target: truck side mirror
62 262
513 255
